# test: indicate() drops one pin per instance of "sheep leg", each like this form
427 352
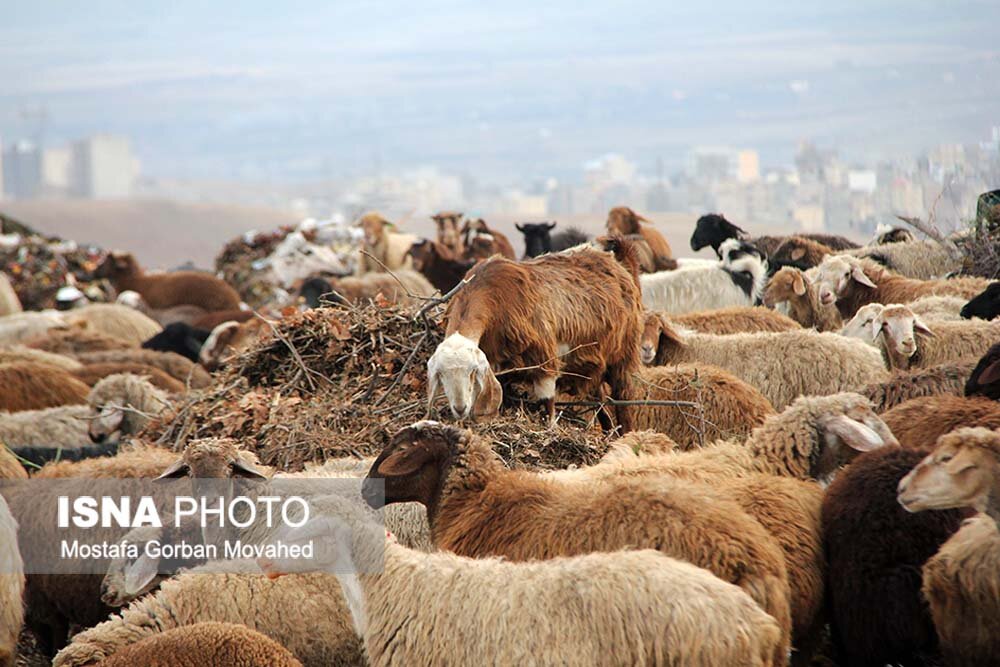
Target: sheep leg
545 390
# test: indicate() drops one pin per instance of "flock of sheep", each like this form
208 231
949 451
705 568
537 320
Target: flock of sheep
806 458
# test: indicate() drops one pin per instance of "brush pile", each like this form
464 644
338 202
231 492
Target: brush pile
239 263
335 382
982 247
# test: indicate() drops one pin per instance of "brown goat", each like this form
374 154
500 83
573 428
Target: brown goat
800 250
438 264
851 283
626 222
91 374
918 423
165 290
577 312
482 242
449 231
31 386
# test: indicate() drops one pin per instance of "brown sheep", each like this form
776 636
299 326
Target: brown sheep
449 232
933 381
31 386
76 340
170 363
623 221
850 283
204 645
478 508
12 353
382 249
482 242
792 287
576 312
164 290
800 251
918 423
736 319
728 407
961 582
91 374
437 263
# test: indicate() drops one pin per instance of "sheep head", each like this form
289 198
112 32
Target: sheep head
898 327
836 276
623 220
785 285
463 371
537 237
848 426
123 403
711 230
116 265
374 227
985 305
214 458
886 235
962 471
862 326
660 339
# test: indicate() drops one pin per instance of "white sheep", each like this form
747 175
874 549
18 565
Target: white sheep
736 280
21 327
115 320
907 341
636 607
11 587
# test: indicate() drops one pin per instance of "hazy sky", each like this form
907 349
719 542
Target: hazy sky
505 90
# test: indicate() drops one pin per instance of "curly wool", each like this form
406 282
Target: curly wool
919 422
962 588
219 644
132 391
905 385
953 341
730 407
63 427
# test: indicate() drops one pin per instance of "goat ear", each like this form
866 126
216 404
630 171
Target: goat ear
406 459
920 326
990 374
490 394
799 284
246 470
798 253
140 572
858 274
176 470
854 434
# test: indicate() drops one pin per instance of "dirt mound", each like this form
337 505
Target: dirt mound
334 382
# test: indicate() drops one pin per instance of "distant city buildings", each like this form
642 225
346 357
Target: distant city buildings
98 167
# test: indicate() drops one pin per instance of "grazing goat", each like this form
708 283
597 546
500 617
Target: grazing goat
623 221
919 422
782 365
482 242
985 378
449 232
962 581
382 248
539 240
790 289
165 290
850 283
576 312
437 263
737 280
985 305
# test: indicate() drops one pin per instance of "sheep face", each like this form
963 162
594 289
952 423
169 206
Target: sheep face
786 284
623 220
862 326
985 305
411 468
960 472
373 225
463 371
537 237
106 424
898 326
214 458
712 230
835 276
650 341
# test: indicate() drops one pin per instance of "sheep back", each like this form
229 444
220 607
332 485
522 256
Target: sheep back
76 340
919 422
32 386
11 587
905 385
737 319
171 363
117 321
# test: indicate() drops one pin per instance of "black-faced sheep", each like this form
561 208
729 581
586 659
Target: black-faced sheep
919 422
874 552
477 508
179 337
639 607
782 365
960 582
713 229
985 377
653 250
850 283
382 248
165 290
985 305
576 312
538 238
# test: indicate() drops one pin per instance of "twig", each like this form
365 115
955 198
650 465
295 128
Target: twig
291 348
436 301
406 366
542 365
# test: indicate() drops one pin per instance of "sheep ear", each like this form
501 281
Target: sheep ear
490 392
139 573
405 460
920 326
990 374
855 434
432 381
799 284
668 332
798 253
246 470
859 275
176 470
